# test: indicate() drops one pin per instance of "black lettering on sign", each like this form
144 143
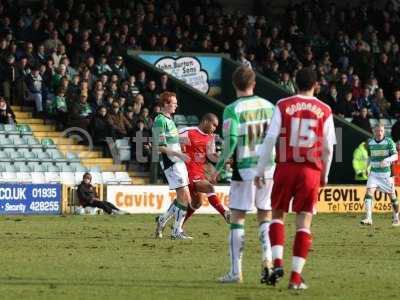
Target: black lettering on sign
356 198
336 195
319 193
328 195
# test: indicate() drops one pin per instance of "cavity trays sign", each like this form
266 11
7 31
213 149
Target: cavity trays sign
187 69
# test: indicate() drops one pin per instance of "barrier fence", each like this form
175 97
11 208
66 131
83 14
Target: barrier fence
53 199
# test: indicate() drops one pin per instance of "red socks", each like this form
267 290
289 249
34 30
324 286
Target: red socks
302 244
214 201
277 239
189 213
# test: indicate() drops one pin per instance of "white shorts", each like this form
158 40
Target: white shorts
244 195
384 184
177 176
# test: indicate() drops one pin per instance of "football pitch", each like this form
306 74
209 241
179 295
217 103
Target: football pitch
116 257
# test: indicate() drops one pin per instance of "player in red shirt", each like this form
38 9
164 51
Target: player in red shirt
198 143
303 127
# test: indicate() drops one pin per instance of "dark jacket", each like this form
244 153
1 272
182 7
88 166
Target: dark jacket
119 122
86 193
4 119
100 128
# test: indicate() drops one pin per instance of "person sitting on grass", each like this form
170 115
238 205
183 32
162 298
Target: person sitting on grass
88 198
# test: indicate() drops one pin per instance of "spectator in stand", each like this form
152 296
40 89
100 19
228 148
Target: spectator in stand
362 120
145 117
61 108
287 83
8 75
383 104
35 85
119 124
332 98
100 129
119 68
151 94
143 156
343 86
164 84
366 101
395 132
102 67
347 108
133 88
395 107
141 81
7 115
80 113
271 71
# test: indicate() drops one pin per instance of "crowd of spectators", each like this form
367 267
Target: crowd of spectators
68 57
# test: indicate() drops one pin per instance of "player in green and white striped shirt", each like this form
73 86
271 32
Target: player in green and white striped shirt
382 153
245 124
172 161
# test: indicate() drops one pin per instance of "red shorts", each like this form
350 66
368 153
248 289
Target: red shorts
295 181
193 177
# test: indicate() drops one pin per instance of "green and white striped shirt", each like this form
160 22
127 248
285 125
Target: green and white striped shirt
166 134
377 152
245 125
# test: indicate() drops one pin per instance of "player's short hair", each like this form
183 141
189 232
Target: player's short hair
379 125
165 98
305 79
243 78
209 117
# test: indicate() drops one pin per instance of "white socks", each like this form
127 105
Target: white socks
236 246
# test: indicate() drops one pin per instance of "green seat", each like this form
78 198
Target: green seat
16 156
4 157
48 143
18 142
24 129
192 120
6 143
180 120
56 155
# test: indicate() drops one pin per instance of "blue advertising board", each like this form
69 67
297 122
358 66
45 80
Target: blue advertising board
38 199
201 72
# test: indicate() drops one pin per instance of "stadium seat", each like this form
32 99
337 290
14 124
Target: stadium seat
24 175
48 143
11 129
123 178
24 129
36 167
180 120
94 169
78 167
6 143
124 149
4 156
43 156
109 178
16 156
72 157
18 142
192 120
32 142
56 155
9 174
97 178
67 177
28 155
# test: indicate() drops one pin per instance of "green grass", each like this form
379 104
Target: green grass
103 257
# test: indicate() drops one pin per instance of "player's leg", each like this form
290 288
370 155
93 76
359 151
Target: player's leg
194 204
277 240
389 188
301 246
372 184
236 247
177 179
304 203
183 201
241 200
204 186
264 216
368 203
